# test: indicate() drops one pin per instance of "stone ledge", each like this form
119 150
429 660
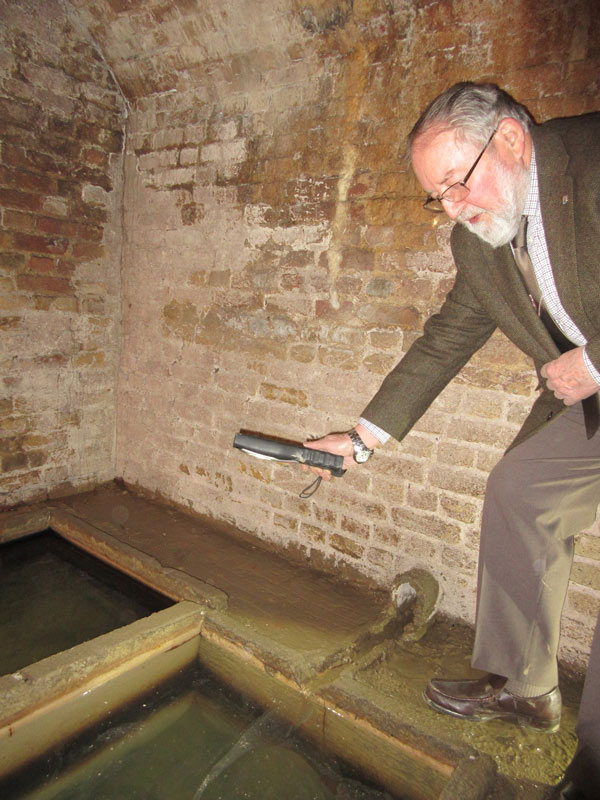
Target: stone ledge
55 698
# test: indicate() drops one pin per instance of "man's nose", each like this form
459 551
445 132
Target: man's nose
453 207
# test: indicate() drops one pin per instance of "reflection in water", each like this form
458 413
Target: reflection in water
267 727
54 596
192 739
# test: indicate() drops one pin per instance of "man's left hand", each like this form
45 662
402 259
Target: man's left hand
569 378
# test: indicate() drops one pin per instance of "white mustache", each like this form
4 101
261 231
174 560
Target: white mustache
468 213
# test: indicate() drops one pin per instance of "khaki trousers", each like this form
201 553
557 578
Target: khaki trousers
538 497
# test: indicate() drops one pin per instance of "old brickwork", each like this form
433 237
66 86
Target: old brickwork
61 124
277 263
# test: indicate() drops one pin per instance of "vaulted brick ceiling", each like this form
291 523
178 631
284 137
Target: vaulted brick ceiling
161 45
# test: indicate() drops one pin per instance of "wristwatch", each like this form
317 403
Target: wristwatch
361 451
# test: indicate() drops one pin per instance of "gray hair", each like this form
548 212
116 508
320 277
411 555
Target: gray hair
473 110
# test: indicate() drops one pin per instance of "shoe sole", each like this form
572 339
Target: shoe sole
518 719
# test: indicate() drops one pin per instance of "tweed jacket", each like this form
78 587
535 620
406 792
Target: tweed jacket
488 291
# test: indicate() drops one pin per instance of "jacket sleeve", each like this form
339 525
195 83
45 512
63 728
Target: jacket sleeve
449 339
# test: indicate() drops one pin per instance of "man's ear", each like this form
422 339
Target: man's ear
513 137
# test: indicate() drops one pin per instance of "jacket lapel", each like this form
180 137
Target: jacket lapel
516 316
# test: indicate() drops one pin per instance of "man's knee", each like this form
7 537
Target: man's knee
507 480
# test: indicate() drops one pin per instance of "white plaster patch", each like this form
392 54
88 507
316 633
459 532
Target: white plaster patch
94 194
227 131
58 206
225 152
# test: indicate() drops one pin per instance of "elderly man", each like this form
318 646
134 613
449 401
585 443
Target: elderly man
527 254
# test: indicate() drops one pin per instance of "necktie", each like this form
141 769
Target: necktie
524 264
591 412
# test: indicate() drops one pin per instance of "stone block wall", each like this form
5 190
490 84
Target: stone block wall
276 263
61 141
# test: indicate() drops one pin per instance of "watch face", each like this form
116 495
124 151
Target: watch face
361 456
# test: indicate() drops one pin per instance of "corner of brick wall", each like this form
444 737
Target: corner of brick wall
61 140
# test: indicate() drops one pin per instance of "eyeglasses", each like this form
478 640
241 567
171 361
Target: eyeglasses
458 191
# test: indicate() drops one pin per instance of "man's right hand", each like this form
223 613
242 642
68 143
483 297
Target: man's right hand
339 444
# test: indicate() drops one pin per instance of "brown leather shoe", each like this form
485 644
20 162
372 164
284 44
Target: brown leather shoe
486 698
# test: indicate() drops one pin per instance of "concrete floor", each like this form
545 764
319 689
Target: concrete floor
334 656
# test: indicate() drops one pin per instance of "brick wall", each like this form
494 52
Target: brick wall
277 263
61 124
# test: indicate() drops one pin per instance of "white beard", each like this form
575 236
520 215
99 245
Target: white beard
497 228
